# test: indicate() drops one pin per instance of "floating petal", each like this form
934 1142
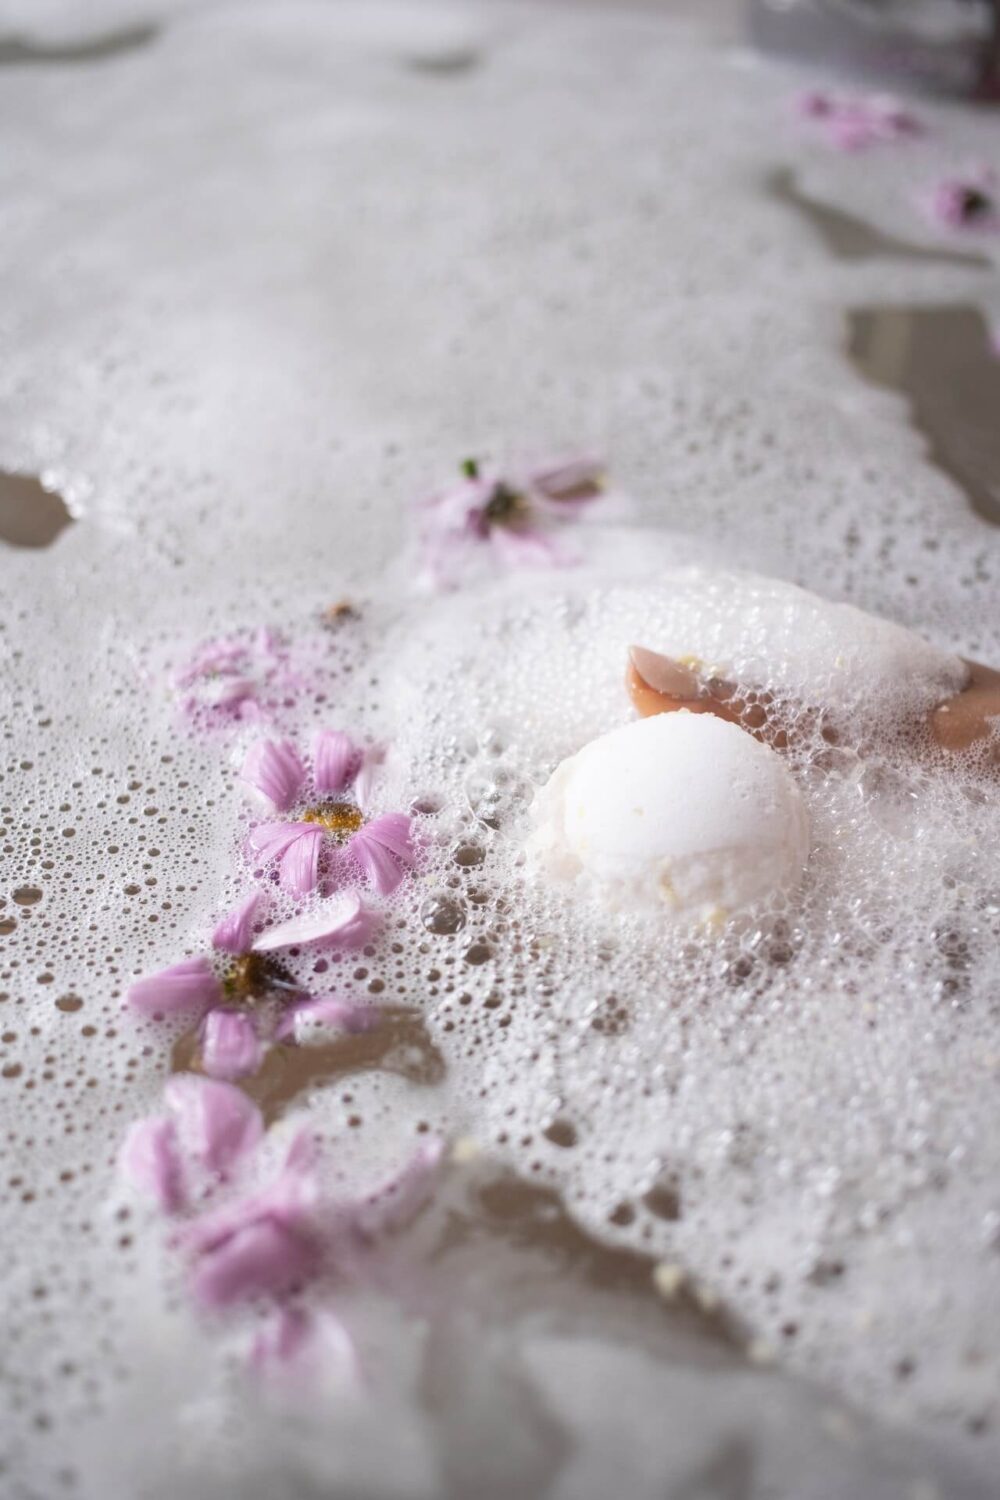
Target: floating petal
336 760
151 1162
273 768
346 919
190 985
235 931
217 1123
262 1258
313 1020
230 1047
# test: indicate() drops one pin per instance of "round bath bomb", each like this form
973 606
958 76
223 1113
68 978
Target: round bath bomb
681 812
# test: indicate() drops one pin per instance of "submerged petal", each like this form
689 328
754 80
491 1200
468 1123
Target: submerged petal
190 985
273 768
336 760
302 1346
216 1122
235 931
151 1162
230 1047
399 1199
313 1020
346 919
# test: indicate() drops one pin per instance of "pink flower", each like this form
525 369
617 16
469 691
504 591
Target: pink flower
510 518
235 680
190 986
381 850
853 122
233 1040
967 202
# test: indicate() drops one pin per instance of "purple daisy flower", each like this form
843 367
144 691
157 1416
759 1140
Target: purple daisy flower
235 1025
381 848
510 518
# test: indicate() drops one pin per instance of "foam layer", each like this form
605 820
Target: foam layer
239 336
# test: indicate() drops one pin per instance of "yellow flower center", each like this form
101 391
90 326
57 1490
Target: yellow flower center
339 818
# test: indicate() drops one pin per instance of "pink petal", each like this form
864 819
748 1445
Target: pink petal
299 1346
336 758
367 774
211 656
377 864
314 1019
397 1201
272 840
216 1122
379 847
226 692
230 1047
150 1161
526 546
263 1258
274 769
393 831
299 869
190 985
346 919
235 931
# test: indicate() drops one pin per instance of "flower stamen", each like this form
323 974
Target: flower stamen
341 819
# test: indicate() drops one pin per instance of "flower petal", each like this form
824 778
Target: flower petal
299 1346
377 850
299 869
336 759
273 768
346 919
313 1020
234 932
271 840
151 1162
230 1047
190 985
367 774
216 1122
399 1199
262 1258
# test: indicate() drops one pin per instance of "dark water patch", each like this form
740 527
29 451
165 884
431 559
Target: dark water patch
400 1044
450 63
941 358
849 238
30 515
18 52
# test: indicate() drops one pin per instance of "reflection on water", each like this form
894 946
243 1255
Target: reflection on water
30 515
16 51
850 238
942 359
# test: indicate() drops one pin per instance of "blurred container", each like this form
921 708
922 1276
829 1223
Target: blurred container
940 46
